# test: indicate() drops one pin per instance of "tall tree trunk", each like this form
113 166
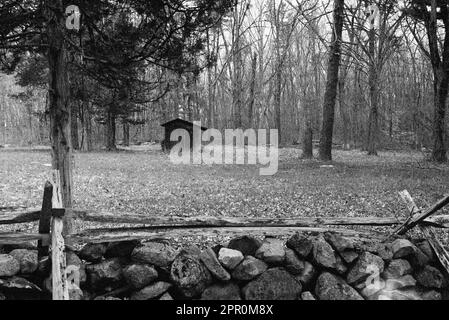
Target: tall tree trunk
278 73
342 84
210 91
74 127
59 103
237 72
30 124
341 104
332 83
277 101
307 142
252 91
88 127
441 92
110 130
125 133
441 80
373 121
59 99
343 113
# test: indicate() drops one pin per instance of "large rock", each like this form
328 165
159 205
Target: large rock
418 259
246 245
349 256
307 296
191 250
93 252
301 245
230 258
292 263
397 269
344 246
431 277
367 265
340 266
229 291
152 291
190 275
338 242
210 260
307 275
402 248
73 260
28 260
155 253
274 284
108 273
9 266
325 257
75 293
272 251
249 269
323 254
370 289
139 275
399 295
2 297
382 250
400 283
427 249
166 297
121 249
330 287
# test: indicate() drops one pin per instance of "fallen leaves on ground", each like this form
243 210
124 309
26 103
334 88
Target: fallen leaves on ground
146 182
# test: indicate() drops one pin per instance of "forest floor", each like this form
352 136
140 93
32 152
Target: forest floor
142 180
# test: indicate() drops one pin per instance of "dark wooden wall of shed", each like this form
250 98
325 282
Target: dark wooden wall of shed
167 145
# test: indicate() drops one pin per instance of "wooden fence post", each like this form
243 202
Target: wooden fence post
58 257
45 219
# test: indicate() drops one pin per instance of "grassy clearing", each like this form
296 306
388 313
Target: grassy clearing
145 182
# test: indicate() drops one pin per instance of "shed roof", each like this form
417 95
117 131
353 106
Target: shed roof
181 122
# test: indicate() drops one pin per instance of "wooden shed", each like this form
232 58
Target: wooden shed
173 125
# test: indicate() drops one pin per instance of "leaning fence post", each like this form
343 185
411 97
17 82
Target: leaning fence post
45 219
58 258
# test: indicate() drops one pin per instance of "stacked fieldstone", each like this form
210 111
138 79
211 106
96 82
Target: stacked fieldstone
307 267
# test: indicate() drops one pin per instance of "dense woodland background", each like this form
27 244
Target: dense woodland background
263 65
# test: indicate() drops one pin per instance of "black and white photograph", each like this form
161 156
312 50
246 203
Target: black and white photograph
219 158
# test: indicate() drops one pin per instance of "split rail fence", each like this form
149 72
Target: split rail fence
52 238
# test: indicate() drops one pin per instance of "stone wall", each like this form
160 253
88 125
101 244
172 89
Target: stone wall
312 267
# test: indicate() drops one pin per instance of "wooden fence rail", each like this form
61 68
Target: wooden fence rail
7 218
115 235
